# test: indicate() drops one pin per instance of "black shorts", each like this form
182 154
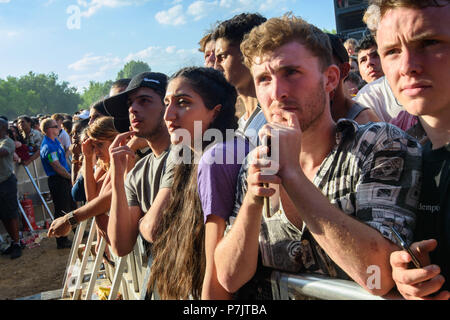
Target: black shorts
8 199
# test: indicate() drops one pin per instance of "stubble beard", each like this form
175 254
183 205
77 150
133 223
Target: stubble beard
314 106
155 131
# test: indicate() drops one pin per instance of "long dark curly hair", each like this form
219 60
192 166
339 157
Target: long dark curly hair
179 250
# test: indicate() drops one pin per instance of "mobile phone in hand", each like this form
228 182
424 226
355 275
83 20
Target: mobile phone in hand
405 246
266 141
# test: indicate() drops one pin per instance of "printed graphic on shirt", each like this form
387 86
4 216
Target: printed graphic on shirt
52 157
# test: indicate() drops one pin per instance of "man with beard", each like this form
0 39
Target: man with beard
139 196
341 186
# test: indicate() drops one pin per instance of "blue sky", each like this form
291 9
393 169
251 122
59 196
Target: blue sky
83 40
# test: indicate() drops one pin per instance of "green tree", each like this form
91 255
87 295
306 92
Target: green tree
93 93
328 31
37 93
133 68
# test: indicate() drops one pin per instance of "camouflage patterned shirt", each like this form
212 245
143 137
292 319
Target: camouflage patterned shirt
373 174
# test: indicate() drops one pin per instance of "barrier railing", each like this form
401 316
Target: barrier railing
299 286
131 274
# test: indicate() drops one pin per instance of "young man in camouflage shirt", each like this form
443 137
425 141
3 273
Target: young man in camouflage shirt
341 185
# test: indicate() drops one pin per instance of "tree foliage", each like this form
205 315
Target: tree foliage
132 68
333 31
95 92
32 94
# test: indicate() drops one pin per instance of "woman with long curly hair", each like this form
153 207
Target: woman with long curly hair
202 196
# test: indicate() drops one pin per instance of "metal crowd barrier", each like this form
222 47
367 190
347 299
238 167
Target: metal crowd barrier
131 273
299 286
35 185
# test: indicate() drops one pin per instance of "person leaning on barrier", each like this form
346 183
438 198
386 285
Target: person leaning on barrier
139 196
202 195
99 205
341 185
414 44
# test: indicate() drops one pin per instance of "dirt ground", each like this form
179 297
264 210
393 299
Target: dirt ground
40 268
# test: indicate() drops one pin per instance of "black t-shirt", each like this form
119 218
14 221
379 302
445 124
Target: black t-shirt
433 220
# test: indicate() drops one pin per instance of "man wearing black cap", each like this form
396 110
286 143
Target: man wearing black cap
147 185
341 105
140 106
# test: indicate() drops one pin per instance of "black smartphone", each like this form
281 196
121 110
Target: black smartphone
406 247
266 141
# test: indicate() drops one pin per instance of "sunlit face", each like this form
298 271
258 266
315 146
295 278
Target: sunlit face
369 64
101 149
210 56
183 107
229 61
291 78
146 112
350 48
414 46
23 125
52 129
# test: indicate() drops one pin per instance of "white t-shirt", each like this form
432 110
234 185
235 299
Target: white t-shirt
378 96
64 138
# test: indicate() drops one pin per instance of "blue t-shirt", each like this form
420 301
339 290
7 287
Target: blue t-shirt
217 176
51 151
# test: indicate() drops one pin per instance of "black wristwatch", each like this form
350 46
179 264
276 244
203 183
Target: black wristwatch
73 222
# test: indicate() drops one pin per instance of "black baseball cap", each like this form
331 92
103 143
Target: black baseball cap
117 106
339 50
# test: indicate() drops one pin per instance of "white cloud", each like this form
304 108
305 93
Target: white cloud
161 59
4 1
8 34
167 59
95 5
226 3
93 68
174 16
101 63
201 9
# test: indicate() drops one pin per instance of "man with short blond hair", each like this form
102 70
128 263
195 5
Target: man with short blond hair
340 185
414 45
58 171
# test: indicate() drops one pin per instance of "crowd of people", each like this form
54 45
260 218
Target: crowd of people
281 153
